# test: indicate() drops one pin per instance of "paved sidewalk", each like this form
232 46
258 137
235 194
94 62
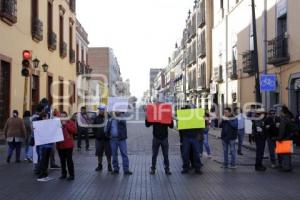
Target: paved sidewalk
17 181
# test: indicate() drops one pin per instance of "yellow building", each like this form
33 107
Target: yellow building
278 38
47 29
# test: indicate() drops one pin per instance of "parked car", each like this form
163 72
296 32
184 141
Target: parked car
91 115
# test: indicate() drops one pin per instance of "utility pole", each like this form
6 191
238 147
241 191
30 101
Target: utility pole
255 56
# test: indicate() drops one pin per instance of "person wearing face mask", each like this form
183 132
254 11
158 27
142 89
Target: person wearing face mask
15 133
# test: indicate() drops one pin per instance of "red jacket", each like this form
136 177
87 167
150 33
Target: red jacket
69 129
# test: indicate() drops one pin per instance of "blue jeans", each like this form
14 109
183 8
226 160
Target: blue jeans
188 144
28 152
241 135
229 146
122 145
205 142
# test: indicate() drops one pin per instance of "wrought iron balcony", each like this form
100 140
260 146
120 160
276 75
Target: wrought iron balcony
72 56
63 49
8 11
37 30
232 70
248 62
278 53
52 41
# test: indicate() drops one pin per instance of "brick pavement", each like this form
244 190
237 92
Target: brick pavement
18 182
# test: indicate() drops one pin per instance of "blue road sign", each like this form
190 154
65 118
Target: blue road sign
268 82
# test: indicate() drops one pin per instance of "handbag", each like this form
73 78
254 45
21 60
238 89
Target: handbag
284 147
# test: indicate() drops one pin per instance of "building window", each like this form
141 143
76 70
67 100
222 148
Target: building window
49 92
72 52
282 25
72 94
61 95
8 11
36 23
5 68
62 44
35 92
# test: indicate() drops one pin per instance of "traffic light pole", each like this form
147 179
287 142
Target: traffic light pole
255 56
25 94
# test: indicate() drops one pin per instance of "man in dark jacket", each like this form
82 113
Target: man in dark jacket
259 132
83 128
102 142
160 139
229 127
116 130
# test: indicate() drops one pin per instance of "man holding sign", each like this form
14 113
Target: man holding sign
159 116
190 124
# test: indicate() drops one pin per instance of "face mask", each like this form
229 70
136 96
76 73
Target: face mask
15 115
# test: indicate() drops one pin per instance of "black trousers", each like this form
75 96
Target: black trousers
66 159
83 133
260 150
164 144
103 146
46 152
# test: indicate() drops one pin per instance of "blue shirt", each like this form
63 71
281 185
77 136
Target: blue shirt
114 128
241 122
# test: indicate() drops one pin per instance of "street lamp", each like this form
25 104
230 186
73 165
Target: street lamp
45 67
36 63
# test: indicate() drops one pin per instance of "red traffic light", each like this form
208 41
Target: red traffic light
26 55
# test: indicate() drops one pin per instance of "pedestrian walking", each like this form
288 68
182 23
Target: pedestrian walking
160 139
241 129
83 129
205 142
259 133
229 127
102 142
213 118
272 132
116 130
286 132
15 133
65 148
29 132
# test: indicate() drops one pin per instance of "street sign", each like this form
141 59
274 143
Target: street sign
268 83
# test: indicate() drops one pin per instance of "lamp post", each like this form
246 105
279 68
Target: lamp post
45 67
255 56
36 63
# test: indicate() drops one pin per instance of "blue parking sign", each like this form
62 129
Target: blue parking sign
268 83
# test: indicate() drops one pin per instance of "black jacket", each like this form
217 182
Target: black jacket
98 130
229 129
191 133
272 131
286 128
122 129
259 128
160 131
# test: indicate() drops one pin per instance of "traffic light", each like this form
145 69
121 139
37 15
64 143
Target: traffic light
26 63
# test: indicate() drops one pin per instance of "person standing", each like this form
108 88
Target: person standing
285 133
83 129
160 139
259 132
102 142
241 128
65 148
116 130
29 132
272 131
229 127
15 133
205 142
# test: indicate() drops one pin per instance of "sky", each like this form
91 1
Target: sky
142 33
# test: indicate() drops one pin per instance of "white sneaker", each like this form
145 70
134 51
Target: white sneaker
232 167
45 179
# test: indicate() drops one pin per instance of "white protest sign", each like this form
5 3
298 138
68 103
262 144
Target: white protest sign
117 104
248 126
47 131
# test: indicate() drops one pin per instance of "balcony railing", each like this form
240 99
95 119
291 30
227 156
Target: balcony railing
278 53
63 49
8 11
37 30
72 56
232 70
52 42
248 62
